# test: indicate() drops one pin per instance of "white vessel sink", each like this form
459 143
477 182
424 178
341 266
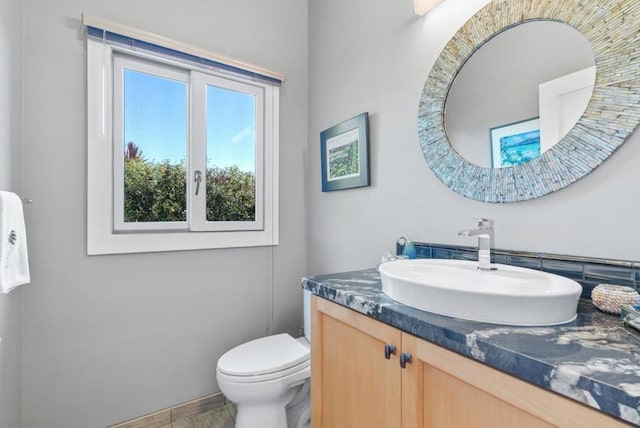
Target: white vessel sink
509 295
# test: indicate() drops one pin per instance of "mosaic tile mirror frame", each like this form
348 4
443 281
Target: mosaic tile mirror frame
613 113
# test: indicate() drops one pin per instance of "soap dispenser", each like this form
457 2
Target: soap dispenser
406 246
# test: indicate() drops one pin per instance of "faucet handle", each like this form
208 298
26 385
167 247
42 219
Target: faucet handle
484 222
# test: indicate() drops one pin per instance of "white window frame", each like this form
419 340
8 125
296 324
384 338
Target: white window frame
102 237
198 156
120 63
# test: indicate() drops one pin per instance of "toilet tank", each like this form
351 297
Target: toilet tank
306 305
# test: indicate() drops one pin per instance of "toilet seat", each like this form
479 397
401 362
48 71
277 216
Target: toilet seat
264 359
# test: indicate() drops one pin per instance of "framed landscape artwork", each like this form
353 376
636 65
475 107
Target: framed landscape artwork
345 154
515 143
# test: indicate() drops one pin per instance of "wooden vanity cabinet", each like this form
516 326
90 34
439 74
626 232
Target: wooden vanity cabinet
352 383
357 382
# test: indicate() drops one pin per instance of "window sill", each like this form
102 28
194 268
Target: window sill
127 243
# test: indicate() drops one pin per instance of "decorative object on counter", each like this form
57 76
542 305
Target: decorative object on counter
611 298
388 257
408 249
630 315
345 154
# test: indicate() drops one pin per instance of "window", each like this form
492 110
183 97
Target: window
150 142
180 155
231 152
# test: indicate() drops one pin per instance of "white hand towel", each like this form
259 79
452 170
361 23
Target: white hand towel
14 262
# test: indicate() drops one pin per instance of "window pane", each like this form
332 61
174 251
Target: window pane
231 155
155 148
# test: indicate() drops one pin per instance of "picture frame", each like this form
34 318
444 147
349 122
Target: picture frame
344 152
515 143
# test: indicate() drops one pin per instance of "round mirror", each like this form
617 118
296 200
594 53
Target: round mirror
519 94
610 118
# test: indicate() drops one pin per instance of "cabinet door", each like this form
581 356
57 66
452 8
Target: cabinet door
352 383
444 389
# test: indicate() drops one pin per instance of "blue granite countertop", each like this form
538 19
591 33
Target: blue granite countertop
594 360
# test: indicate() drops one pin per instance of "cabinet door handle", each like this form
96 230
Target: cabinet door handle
405 358
388 350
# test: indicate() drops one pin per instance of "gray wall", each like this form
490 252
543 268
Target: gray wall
108 338
375 56
10 172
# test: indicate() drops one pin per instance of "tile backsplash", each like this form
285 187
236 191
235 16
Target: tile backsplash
588 271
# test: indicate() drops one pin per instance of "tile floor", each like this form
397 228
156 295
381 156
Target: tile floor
220 417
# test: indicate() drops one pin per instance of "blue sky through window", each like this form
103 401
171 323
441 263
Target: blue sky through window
231 129
155 110
155 116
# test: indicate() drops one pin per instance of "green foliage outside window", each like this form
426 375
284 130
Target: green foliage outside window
230 194
156 192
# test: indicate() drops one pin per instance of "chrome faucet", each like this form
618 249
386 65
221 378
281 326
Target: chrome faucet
485 234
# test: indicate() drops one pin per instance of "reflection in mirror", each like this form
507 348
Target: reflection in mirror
538 69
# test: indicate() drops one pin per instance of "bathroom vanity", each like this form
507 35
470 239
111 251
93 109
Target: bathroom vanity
379 363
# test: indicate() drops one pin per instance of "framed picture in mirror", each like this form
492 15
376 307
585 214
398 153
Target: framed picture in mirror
515 143
345 154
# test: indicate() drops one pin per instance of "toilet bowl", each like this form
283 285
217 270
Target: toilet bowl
269 380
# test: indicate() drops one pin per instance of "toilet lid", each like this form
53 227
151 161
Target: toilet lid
265 355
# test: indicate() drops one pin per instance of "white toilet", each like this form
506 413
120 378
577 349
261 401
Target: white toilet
269 379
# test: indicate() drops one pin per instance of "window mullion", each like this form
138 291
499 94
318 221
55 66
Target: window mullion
197 153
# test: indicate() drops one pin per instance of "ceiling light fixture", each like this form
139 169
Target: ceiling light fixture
421 7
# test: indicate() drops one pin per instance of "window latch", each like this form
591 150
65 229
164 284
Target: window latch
197 178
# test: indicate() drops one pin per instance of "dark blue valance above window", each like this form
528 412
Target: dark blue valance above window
135 43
